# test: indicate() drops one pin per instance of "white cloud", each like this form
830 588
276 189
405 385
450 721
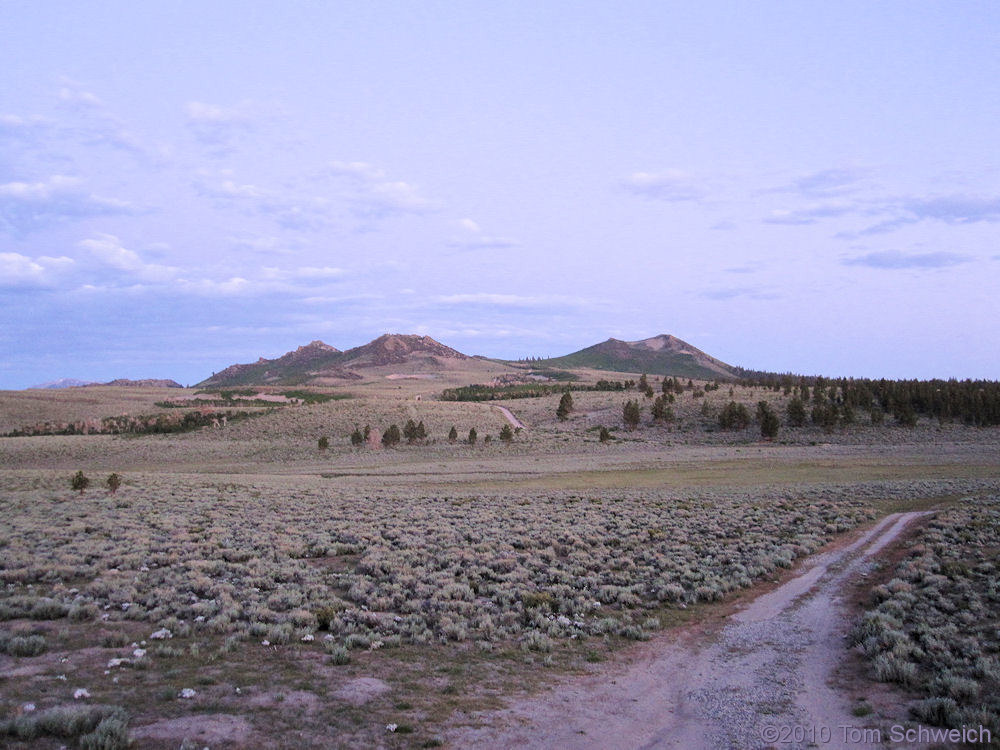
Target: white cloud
18 270
74 94
510 300
306 273
671 185
218 128
288 210
373 196
237 285
28 206
108 249
474 238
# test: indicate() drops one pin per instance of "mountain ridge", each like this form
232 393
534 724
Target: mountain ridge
663 354
321 363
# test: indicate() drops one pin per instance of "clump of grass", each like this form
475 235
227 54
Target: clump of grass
862 709
15 644
97 727
339 655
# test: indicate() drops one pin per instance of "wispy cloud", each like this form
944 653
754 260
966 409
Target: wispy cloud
74 94
510 300
733 292
672 185
825 183
217 128
810 214
372 195
290 211
896 260
28 206
474 238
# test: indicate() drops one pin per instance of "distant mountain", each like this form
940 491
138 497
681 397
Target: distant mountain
319 362
144 383
395 348
63 383
659 355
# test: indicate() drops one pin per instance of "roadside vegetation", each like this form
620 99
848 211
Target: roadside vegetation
934 628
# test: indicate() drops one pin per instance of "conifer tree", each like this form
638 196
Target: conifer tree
391 436
769 422
796 412
565 406
631 414
79 482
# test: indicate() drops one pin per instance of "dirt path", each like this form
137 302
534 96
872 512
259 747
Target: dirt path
769 668
514 421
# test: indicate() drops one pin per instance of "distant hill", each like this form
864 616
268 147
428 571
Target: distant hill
119 382
143 383
319 362
659 355
62 383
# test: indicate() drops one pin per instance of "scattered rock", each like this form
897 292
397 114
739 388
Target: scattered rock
188 693
81 693
162 635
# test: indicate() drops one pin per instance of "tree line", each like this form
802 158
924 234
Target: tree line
971 402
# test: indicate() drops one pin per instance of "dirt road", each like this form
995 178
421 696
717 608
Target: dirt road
767 670
514 421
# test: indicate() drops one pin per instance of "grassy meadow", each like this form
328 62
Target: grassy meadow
245 588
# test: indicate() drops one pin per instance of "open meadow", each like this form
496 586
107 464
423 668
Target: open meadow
245 588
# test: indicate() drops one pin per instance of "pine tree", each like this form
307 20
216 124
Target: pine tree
662 410
452 434
356 437
769 422
410 431
565 406
323 443
734 416
506 433
391 436
631 414
473 435
421 430
604 435
79 482
796 412
114 481
643 383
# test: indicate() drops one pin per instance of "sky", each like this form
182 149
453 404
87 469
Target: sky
806 187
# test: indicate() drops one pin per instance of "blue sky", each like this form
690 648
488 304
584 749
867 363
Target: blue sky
792 186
